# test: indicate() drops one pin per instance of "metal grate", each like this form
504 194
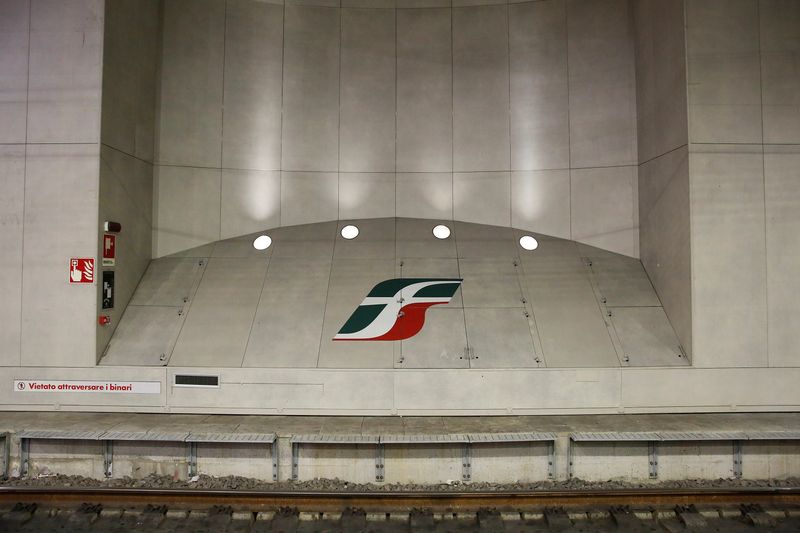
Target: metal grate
424 439
61 434
240 438
334 439
145 436
512 437
192 380
613 436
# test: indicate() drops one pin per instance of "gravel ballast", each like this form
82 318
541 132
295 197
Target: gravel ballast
204 482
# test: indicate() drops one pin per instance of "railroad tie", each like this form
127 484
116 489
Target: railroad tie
557 518
690 518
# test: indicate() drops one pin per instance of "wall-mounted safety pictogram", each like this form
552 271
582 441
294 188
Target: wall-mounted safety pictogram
395 309
108 289
109 250
81 270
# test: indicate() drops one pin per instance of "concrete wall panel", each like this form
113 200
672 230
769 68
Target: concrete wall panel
602 201
539 92
253 73
683 388
482 197
480 89
64 77
601 84
540 201
728 259
14 26
425 195
311 89
367 130
367 195
572 331
440 344
12 183
287 301
782 186
770 460
424 91
131 56
176 227
660 77
780 76
308 197
476 390
61 198
665 236
250 201
499 338
706 460
220 318
146 336
723 72
599 461
191 83
415 240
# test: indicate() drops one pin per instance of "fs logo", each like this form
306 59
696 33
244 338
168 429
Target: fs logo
395 309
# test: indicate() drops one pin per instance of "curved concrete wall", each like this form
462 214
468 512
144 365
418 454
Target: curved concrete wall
519 114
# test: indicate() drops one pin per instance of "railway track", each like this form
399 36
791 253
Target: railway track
108 509
401 501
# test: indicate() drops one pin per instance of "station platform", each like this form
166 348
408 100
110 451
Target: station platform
286 426
404 449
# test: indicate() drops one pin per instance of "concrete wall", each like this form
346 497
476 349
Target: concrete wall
421 464
517 115
744 164
132 45
662 131
50 85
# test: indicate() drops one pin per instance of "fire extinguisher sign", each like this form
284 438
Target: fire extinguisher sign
81 270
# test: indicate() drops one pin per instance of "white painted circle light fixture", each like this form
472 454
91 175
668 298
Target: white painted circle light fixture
350 232
262 242
528 242
441 231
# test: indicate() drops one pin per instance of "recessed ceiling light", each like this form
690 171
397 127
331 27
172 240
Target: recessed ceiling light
441 231
349 232
262 242
528 242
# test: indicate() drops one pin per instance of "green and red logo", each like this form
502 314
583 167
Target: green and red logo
395 309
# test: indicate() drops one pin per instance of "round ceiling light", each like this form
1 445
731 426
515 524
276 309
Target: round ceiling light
262 242
350 232
528 242
441 231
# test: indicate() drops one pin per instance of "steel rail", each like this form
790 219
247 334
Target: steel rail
399 501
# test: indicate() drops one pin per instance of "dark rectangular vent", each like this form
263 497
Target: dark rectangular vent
185 380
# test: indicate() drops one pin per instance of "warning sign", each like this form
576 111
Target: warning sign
131 387
109 250
81 270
